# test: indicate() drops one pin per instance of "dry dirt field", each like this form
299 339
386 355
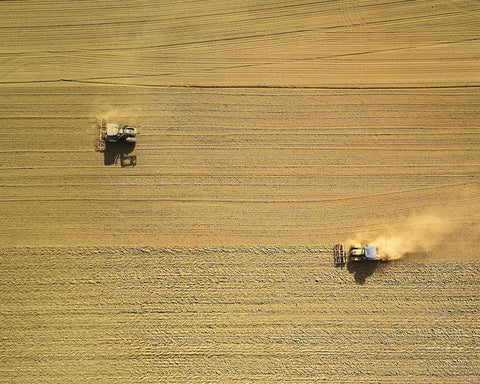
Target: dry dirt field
269 131
243 314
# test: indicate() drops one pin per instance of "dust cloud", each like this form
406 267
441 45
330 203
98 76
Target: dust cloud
452 232
111 114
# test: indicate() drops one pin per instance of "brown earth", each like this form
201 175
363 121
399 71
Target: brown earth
249 314
268 132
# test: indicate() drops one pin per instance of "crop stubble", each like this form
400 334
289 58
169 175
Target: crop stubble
234 166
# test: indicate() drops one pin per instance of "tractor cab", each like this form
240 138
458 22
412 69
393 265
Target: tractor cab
115 133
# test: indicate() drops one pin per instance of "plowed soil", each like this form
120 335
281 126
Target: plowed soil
269 131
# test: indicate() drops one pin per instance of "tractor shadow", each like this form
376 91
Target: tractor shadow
115 152
363 269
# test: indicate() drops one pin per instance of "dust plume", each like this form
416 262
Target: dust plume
114 114
448 233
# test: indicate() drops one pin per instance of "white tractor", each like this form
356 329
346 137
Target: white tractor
356 252
114 133
116 142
